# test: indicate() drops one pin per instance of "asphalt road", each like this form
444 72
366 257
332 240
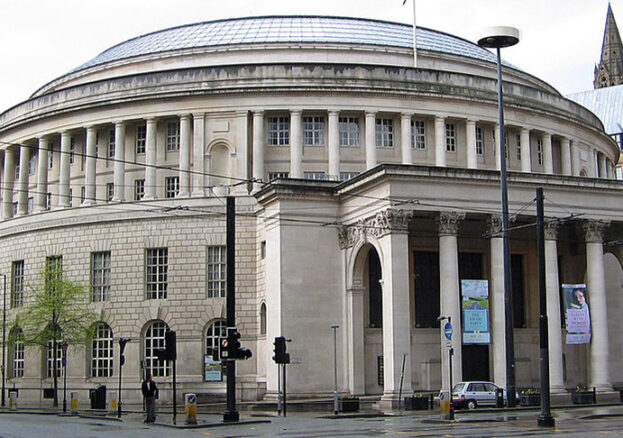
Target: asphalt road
603 421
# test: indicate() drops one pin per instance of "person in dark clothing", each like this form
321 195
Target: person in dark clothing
150 392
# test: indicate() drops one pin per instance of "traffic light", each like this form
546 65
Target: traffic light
231 348
169 352
280 350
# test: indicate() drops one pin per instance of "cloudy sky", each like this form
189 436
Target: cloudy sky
43 39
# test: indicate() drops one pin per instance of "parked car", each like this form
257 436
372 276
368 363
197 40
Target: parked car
473 394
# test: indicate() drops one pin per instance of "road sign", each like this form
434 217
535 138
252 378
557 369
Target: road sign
448 330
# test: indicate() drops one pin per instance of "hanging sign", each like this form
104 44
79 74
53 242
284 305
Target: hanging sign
577 314
212 369
475 307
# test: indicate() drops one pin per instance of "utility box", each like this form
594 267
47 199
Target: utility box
73 405
98 397
13 400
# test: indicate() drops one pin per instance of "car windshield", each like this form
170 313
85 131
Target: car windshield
458 387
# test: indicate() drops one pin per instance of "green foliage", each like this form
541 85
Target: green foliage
530 391
581 388
56 310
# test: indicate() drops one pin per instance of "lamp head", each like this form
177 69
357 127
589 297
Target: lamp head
499 37
441 318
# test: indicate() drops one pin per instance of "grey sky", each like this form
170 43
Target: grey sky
43 39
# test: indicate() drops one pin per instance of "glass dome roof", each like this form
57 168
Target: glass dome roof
289 29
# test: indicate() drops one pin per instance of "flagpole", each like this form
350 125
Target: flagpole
414 38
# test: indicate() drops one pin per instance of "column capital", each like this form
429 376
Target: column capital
297 111
333 112
524 129
185 116
494 225
90 128
43 137
370 113
440 117
381 224
151 119
550 228
448 222
199 116
118 123
594 230
407 116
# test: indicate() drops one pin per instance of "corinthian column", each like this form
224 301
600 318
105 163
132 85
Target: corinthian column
470 135
91 166
7 184
22 194
42 175
496 290
184 156
63 178
405 138
296 144
150 156
119 169
448 225
370 140
440 141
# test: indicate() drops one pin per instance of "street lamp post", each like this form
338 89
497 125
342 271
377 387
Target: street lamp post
335 398
64 346
4 342
498 38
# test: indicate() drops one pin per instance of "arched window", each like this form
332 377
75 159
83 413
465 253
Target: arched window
154 340
101 351
263 319
16 353
49 362
214 331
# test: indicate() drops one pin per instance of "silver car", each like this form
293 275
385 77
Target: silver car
473 394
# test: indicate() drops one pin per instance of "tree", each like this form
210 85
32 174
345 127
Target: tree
56 310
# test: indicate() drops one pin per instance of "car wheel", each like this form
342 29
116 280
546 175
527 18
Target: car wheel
471 404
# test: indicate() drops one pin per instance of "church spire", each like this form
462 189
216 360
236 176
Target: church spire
610 69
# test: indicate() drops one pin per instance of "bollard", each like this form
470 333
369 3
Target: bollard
191 408
445 405
112 407
73 404
13 400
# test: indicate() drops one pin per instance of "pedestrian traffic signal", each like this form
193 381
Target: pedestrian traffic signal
280 350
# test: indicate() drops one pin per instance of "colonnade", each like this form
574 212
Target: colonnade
193 141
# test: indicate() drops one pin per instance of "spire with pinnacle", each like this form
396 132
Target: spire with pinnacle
610 69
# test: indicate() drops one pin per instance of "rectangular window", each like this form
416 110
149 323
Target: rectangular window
141 137
418 134
72 150
70 196
345 176
313 131
100 276
539 151
156 273
276 175
32 163
48 200
427 280
139 189
171 186
318 176
83 194
384 133
518 147
480 144
278 131
102 352
111 143
30 205
217 271
349 131
17 171
173 136
450 137
51 155
17 283
110 191
15 208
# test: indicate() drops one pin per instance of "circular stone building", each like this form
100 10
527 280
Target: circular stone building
366 190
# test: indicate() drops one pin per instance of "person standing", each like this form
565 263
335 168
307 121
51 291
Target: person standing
150 392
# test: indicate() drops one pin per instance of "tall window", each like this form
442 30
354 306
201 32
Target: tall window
418 134
263 319
154 340
51 155
277 175
384 133
156 270
345 176
349 131
450 137
17 170
217 271
32 162
17 283
83 194
111 143
141 137
318 176
48 200
171 186
100 276
539 151
16 353
50 359
54 270
110 191
215 331
278 131
480 147
518 147
30 204
139 189
173 136
101 351
72 150
313 130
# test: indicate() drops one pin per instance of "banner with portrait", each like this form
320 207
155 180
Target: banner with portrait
212 369
577 314
475 308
